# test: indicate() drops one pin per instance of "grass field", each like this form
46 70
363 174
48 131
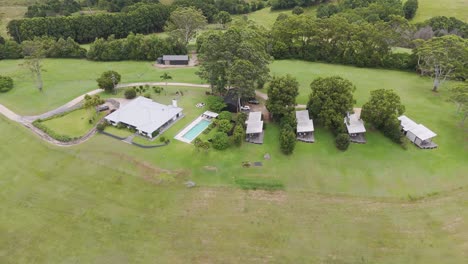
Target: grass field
73 124
66 79
432 8
265 17
67 205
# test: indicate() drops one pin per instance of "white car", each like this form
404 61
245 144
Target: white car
245 108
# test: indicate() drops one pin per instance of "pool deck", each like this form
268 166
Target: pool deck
180 135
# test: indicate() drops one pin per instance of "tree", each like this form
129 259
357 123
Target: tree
158 89
6 84
282 93
165 77
297 10
92 101
215 103
33 53
331 98
130 93
242 78
459 95
224 126
287 140
223 18
382 111
409 8
342 141
442 58
108 80
184 23
225 115
220 141
239 135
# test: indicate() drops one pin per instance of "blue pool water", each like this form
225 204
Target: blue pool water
196 130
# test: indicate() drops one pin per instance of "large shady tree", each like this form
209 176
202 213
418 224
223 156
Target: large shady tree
442 58
184 23
282 93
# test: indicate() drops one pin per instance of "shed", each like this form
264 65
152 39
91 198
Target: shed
175 60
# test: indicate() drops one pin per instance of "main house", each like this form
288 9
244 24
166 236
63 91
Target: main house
305 127
420 135
355 126
146 116
254 131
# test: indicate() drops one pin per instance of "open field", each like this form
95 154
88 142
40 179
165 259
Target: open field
265 17
73 124
67 205
432 8
65 79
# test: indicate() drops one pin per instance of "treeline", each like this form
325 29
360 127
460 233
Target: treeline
140 18
211 8
368 10
134 47
441 26
53 8
284 4
335 40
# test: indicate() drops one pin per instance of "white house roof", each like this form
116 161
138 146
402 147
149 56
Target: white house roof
210 114
407 123
420 131
144 114
254 127
254 117
304 123
354 124
176 57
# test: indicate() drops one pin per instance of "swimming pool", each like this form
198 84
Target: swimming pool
196 130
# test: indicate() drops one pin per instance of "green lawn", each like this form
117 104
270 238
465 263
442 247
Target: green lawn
265 17
69 205
65 79
432 8
120 132
73 124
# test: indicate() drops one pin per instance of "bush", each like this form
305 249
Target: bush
239 135
297 10
215 103
220 141
51 133
6 84
101 126
409 8
224 126
130 93
342 141
287 140
162 139
225 115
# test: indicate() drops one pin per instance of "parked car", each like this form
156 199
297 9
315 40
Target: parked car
254 101
245 108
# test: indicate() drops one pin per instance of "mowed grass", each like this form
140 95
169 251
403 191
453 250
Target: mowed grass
266 17
449 8
64 205
73 124
66 79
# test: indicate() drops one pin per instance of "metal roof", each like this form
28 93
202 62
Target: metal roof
210 114
420 131
176 57
254 127
144 114
354 124
254 117
304 123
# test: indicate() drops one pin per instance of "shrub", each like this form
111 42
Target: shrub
224 126
162 139
130 93
220 141
215 103
239 135
51 133
101 126
287 140
6 84
225 115
297 10
241 118
342 141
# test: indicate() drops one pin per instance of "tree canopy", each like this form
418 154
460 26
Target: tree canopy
282 93
184 23
443 58
6 84
108 80
331 98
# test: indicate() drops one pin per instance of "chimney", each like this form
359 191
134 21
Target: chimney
174 102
